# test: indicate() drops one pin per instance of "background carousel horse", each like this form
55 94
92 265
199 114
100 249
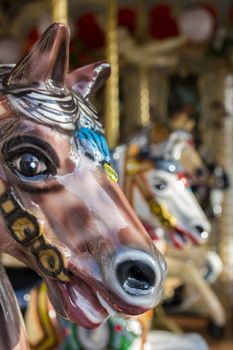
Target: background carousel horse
208 182
160 194
159 183
163 141
62 214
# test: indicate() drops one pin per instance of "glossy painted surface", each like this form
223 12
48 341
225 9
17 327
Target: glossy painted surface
62 212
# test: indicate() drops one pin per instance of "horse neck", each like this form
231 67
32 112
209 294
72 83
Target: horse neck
12 335
136 179
137 182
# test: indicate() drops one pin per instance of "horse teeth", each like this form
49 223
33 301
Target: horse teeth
106 305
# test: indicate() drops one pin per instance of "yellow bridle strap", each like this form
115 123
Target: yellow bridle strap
166 219
24 227
134 173
42 330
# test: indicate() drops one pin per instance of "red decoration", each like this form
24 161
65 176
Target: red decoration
127 18
118 328
150 230
89 31
162 24
182 177
66 332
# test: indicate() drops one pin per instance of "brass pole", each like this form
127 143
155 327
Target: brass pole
144 96
144 90
59 10
112 86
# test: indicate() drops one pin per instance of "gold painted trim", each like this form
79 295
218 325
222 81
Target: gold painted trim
59 11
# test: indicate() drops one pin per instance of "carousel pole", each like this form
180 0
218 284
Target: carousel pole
144 91
144 96
59 10
112 87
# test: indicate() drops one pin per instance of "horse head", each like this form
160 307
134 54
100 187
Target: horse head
161 194
62 212
165 142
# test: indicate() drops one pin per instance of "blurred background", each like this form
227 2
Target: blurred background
172 64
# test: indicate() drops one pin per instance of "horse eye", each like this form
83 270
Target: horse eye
30 166
160 184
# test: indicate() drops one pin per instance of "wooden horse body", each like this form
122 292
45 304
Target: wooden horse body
62 213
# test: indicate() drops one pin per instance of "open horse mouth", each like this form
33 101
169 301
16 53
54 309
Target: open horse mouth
131 285
77 302
82 304
180 236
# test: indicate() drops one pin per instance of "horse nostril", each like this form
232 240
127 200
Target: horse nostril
136 277
201 231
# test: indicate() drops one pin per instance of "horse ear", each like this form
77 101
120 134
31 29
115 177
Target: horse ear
47 60
88 79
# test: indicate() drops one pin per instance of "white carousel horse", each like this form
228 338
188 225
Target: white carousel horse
175 206
160 193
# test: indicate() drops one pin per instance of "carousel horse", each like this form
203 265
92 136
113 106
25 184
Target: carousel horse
160 193
62 212
175 209
162 141
208 183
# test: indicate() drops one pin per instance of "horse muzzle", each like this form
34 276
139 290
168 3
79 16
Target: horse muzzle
136 277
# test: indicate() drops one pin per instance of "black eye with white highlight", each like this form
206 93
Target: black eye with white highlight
29 161
159 184
29 165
